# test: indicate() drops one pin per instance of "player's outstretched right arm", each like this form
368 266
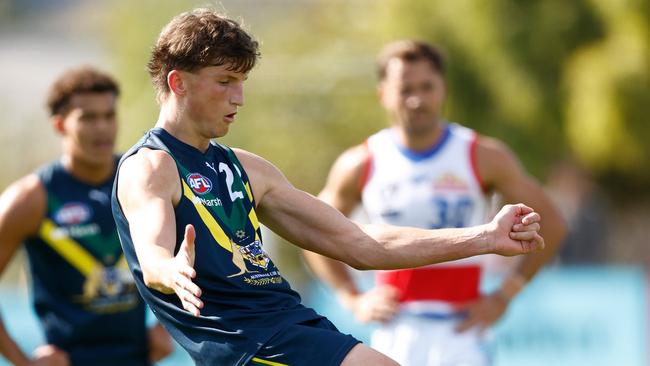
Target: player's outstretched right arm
148 187
313 225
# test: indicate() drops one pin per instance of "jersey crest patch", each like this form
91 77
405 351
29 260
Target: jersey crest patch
73 213
200 184
255 254
450 182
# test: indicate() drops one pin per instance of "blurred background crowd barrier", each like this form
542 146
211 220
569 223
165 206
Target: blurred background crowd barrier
566 84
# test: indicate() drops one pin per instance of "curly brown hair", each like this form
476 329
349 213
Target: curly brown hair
409 51
82 79
196 39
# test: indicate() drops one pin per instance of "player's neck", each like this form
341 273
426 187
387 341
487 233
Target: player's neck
422 140
88 172
172 121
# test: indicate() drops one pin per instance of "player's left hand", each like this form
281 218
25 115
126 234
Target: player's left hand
183 274
483 312
49 355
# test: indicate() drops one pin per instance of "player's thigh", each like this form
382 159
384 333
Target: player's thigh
362 355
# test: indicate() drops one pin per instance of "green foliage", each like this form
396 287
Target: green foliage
550 78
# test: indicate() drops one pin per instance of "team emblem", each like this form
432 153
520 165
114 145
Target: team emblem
73 213
450 182
255 254
200 184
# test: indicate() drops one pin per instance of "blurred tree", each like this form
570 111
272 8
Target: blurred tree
546 77
608 83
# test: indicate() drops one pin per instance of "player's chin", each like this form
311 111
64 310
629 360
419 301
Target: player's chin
221 131
98 157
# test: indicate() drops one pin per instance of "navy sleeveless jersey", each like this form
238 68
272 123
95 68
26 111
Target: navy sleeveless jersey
246 300
83 293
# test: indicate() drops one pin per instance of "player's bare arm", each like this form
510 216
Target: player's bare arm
503 173
313 225
342 191
148 187
160 343
22 208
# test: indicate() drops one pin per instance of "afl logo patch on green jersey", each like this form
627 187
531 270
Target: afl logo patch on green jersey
73 213
200 184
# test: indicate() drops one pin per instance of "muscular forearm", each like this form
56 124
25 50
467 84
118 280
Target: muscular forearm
404 247
155 273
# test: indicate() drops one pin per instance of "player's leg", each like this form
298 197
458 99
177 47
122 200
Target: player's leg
362 355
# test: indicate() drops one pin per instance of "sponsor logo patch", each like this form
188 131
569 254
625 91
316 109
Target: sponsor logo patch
200 184
73 213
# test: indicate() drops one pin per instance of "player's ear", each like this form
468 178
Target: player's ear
176 82
381 93
58 123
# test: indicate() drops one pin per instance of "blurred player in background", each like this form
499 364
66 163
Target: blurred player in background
83 293
189 211
429 173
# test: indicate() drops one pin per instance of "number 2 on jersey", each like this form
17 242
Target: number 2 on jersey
230 179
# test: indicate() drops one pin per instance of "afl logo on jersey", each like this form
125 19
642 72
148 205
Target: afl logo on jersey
73 213
199 183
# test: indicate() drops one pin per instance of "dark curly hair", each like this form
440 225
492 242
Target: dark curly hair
83 79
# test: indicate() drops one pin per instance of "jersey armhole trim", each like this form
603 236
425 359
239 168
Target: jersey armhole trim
366 170
474 163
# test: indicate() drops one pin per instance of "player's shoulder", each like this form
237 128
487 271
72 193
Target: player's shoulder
495 160
354 159
147 160
245 154
27 186
149 170
26 195
492 148
347 172
252 162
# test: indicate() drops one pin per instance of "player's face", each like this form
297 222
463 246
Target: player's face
214 94
413 93
90 127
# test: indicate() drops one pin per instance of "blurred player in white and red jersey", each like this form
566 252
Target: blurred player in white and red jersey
427 172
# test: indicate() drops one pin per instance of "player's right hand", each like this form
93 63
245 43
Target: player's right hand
49 355
183 273
515 230
377 305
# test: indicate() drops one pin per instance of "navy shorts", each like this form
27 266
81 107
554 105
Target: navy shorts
312 343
